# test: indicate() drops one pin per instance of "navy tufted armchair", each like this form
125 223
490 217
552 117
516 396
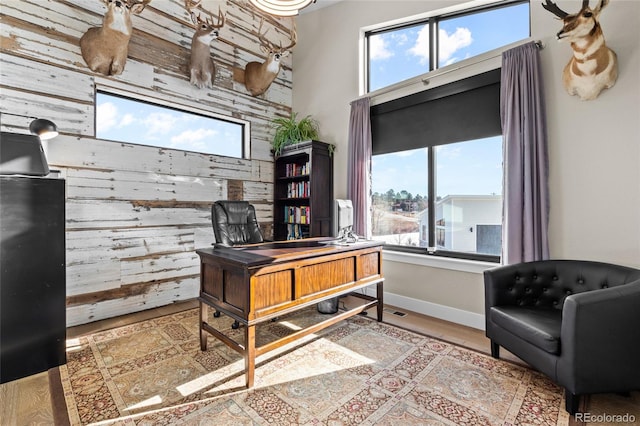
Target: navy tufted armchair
577 322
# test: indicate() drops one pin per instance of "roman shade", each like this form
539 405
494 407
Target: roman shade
464 110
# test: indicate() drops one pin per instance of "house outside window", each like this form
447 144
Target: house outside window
437 185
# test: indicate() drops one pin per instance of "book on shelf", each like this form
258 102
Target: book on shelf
296 231
297 214
295 169
298 189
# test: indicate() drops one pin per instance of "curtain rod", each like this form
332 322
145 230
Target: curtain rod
435 73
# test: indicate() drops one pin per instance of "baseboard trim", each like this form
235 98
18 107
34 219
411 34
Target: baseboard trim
447 313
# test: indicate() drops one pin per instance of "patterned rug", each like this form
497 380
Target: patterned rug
357 372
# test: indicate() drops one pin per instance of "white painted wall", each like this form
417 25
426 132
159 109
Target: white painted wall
594 146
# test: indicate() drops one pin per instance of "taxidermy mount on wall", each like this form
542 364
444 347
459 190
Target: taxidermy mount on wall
594 66
202 70
105 48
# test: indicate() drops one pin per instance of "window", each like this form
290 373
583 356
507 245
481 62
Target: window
123 119
404 51
437 154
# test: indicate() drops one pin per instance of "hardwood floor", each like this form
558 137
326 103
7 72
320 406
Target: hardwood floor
27 401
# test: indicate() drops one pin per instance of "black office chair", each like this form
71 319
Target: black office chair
234 224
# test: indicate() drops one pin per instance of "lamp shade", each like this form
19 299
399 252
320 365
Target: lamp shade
43 128
281 7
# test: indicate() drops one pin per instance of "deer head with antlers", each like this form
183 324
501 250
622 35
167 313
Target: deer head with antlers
258 76
201 67
105 48
594 66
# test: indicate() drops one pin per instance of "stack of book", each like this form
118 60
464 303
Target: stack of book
297 214
298 190
295 169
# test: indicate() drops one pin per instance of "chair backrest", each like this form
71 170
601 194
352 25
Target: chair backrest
234 223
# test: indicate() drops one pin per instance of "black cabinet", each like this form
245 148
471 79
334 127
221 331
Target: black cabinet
32 276
303 205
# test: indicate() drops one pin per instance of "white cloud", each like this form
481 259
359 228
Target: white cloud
421 48
378 48
193 140
159 123
106 117
126 120
400 39
448 44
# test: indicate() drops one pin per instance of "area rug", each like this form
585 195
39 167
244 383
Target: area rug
357 372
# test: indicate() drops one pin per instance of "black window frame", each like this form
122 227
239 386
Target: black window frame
433 22
245 126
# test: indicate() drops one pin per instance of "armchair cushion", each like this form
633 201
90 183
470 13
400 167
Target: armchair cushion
538 326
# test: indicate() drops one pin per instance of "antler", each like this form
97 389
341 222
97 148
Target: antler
265 42
553 8
191 4
293 35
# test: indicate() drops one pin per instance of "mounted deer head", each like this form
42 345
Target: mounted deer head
259 76
105 48
201 67
593 66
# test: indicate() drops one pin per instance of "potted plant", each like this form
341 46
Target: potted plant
290 131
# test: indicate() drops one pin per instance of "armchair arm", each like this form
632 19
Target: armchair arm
600 338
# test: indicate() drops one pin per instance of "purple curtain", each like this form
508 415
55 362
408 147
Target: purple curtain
359 166
526 194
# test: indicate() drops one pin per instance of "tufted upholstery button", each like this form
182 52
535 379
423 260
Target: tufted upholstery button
535 277
568 291
580 281
545 289
555 278
605 285
555 302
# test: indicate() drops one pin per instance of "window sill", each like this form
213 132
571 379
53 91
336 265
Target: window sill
462 265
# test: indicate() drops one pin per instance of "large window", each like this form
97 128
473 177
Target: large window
437 163
403 51
124 119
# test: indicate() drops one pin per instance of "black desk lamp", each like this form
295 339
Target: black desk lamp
43 128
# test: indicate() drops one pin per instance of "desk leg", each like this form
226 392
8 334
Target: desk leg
250 354
204 316
379 295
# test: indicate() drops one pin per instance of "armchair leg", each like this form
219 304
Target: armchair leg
495 350
572 402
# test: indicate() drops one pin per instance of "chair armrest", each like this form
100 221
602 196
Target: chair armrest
600 334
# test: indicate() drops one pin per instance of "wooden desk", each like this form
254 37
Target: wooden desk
256 283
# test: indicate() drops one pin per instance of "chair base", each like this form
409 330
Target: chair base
571 402
495 350
235 325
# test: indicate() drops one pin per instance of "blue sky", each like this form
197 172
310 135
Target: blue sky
462 169
124 120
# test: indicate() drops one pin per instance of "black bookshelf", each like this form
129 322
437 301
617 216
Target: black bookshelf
303 191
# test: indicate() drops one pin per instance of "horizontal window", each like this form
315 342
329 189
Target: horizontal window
124 119
403 51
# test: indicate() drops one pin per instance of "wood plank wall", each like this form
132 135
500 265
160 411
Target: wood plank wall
136 214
